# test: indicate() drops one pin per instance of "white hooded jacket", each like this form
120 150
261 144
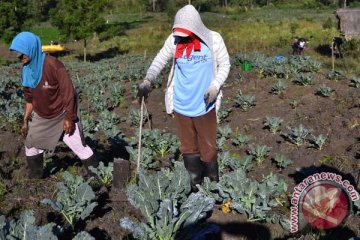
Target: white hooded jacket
188 18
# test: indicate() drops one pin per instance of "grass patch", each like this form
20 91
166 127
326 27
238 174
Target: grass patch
267 30
47 33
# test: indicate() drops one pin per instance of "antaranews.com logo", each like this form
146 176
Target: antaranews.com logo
322 200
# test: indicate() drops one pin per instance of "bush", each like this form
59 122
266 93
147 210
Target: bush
351 48
328 24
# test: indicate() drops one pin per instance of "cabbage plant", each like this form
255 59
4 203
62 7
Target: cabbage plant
282 161
103 173
162 200
75 199
273 123
25 228
298 134
170 218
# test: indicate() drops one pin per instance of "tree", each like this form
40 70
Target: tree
40 9
78 19
13 17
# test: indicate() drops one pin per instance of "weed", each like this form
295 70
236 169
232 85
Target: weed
239 78
3 190
294 103
327 160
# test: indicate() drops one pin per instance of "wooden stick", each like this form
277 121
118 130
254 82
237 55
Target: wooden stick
140 132
332 56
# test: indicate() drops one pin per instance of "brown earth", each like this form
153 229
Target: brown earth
337 117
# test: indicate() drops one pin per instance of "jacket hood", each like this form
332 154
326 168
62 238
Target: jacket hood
189 18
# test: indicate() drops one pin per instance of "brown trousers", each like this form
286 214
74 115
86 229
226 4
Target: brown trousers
198 135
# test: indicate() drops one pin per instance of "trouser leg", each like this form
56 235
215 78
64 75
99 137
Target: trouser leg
74 142
198 135
206 133
84 152
198 146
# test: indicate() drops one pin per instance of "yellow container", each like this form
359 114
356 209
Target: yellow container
52 48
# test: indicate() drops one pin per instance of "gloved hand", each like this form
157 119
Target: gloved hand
144 90
211 94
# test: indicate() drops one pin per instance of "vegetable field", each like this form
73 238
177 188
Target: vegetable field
280 122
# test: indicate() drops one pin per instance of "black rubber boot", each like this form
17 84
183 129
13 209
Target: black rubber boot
211 170
194 167
35 166
121 177
91 161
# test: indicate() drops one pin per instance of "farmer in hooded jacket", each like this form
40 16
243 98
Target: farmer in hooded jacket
50 94
200 65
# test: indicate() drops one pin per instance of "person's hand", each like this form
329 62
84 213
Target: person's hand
144 90
211 94
68 126
24 128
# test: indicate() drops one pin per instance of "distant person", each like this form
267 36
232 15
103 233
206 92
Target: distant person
50 94
336 45
299 46
200 65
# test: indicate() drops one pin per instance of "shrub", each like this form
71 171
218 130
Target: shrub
328 24
351 48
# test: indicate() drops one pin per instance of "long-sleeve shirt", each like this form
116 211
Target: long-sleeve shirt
55 93
221 67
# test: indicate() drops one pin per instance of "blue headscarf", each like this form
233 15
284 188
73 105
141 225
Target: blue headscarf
29 44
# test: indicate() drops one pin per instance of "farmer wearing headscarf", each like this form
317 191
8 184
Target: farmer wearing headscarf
50 94
200 65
